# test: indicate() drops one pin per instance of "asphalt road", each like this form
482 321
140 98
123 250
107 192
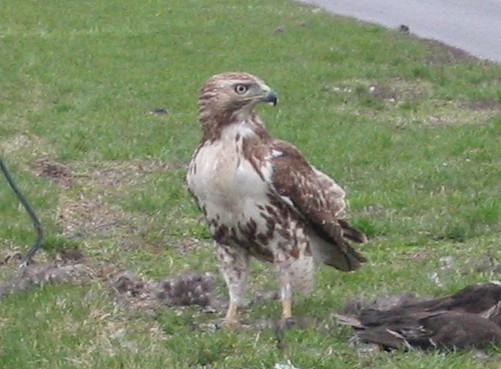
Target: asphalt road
471 25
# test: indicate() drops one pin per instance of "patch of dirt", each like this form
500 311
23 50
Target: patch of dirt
90 217
487 104
62 270
115 174
454 114
101 176
60 173
88 213
404 90
446 54
131 291
397 90
383 93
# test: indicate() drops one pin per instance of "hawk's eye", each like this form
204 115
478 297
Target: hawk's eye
241 89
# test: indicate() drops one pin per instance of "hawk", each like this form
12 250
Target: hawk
261 197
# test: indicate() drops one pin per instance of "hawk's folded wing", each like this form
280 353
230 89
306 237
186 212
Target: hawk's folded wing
318 199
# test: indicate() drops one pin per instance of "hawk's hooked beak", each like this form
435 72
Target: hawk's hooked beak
270 97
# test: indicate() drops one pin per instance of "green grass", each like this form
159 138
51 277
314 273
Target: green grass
419 157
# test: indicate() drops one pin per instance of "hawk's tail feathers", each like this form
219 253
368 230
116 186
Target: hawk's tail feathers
351 233
344 257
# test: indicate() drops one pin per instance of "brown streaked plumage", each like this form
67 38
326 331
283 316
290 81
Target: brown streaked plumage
469 318
428 330
475 299
261 198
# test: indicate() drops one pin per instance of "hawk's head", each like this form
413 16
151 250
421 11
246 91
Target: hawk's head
229 97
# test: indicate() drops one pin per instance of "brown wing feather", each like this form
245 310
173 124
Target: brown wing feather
333 190
295 179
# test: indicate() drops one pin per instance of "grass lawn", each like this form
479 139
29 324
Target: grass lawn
410 128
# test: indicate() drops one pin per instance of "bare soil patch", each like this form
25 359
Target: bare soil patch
487 104
131 291
89 218
85 209
446 54
58 172
68 267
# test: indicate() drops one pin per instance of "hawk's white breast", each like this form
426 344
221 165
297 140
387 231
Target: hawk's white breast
224 182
